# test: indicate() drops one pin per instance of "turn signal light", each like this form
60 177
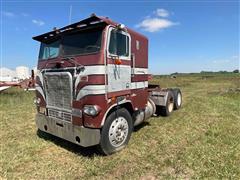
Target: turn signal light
113 98
42 110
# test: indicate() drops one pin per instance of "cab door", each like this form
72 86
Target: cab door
118 62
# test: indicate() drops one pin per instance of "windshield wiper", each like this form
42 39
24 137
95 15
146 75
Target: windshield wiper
78 66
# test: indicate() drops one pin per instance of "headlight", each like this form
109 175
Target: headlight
91 110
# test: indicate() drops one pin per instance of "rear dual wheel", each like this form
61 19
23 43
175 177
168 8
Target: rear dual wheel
174 102
177 98
168 108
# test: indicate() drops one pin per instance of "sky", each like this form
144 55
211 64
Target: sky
184 36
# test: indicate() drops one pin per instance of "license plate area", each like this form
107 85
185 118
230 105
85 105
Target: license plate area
61 115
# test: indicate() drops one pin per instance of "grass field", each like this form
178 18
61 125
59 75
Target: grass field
201 140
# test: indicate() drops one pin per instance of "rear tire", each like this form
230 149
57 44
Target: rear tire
177 98
116 131
168 109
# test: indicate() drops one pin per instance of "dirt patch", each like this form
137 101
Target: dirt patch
148 177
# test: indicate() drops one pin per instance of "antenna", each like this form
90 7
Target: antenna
70 14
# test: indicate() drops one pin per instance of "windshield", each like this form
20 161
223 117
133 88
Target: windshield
49 50
82 43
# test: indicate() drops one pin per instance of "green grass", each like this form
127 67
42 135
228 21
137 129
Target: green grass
201 140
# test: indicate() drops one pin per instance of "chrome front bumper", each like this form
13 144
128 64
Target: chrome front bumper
77 134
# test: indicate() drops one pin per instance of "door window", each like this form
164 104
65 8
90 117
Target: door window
119 43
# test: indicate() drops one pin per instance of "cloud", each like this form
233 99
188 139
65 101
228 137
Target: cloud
25 14
8 14
38 22
231 59
162 13
235 57
157 21
21 29
221 61
11 14
155 24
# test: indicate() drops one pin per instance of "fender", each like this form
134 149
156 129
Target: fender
113 106
159 97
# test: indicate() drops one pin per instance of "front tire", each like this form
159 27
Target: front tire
116 131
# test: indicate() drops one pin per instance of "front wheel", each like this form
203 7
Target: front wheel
116 131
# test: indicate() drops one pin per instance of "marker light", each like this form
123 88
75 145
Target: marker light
118 61
37 101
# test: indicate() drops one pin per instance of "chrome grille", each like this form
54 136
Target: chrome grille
66 116
58 87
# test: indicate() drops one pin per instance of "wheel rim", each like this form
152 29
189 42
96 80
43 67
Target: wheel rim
118 131
179 99
170 106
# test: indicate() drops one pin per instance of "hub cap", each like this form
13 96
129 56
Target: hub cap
118 131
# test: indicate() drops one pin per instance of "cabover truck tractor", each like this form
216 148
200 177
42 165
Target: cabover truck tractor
92 84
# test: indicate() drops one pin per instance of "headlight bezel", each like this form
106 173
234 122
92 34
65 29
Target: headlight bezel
91 110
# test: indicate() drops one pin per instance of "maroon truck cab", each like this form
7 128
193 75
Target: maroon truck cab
92 84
